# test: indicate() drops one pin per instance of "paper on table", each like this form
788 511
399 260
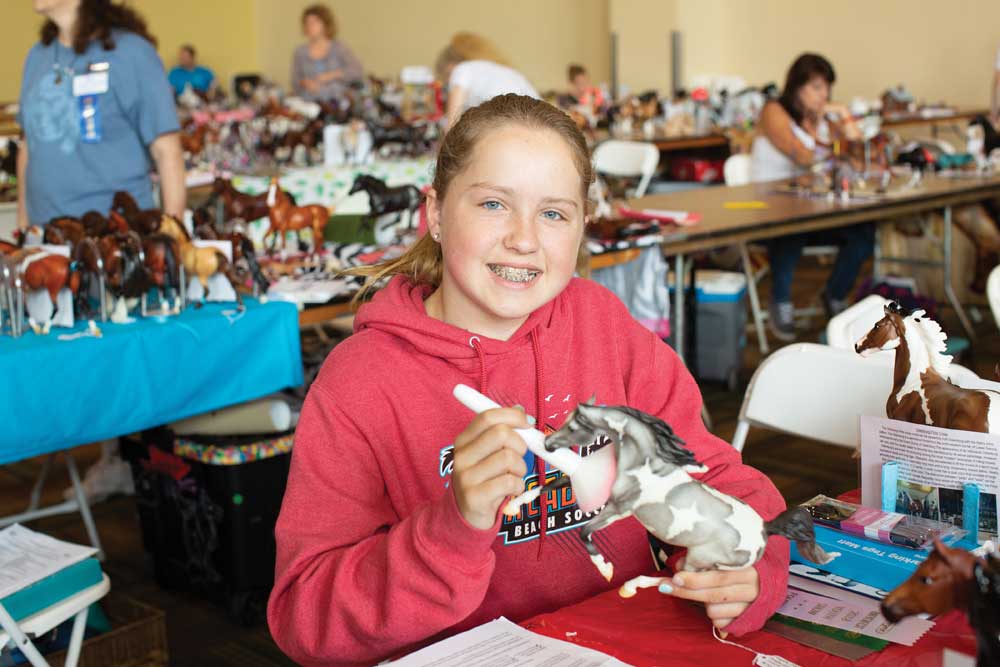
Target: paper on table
863 619
27 557
501 642
938 460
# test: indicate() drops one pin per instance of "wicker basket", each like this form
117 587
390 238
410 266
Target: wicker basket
139 638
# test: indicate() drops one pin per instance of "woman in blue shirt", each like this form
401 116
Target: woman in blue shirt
97 113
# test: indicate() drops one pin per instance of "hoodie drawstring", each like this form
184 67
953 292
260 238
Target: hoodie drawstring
475 345
539 463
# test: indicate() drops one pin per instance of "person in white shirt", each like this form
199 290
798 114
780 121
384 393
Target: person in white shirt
476 71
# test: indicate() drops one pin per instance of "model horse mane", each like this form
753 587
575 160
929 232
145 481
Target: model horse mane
668 445
934 340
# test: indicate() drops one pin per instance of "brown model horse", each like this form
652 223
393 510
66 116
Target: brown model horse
143 221
922 392
64 231
42 270
954 579
202 262
238 204
285 217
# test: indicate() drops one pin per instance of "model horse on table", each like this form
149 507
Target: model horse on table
143 221
245 262
954 579
652 481
203 262
286 217
162 258
240 205
922 392
64 231
382 199
40 269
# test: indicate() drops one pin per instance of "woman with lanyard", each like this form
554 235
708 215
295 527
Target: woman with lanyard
794 133
96 112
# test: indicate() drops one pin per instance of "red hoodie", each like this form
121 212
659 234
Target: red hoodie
374 557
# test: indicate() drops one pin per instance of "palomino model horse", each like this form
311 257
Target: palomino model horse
286 217
143 221
382 199
653 482
954 579
203 262
922 392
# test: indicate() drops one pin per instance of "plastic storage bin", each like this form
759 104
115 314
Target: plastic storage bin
208 510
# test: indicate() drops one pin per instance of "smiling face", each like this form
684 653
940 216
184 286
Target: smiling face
510 229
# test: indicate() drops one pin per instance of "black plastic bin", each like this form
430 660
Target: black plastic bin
208 513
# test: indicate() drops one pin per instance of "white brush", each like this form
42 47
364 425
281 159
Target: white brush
591 476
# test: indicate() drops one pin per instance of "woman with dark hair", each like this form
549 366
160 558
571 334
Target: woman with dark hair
794 132
95 107
324 66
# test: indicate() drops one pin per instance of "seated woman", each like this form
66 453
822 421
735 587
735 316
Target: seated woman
189 73
324 66
475 72
794 132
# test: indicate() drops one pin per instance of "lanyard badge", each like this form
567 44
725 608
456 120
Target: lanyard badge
88 89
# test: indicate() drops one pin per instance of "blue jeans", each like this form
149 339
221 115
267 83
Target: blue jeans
856 243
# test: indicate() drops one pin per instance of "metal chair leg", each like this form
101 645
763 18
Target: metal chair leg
20 640
949 291
81 499
36 491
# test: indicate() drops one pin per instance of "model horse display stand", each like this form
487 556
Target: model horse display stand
649 477
922 392
954 579
286 217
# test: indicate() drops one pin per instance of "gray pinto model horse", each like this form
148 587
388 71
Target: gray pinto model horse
653 483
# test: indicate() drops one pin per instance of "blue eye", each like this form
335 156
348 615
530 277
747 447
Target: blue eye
553 215
491 205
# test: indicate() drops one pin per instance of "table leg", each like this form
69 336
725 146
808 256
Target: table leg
36 491
679 305
758 320
948 289
84 506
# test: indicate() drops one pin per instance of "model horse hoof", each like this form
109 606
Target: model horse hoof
606 569
34 327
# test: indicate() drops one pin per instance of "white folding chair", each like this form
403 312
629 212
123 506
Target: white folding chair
814 391
627 159
76 607
993 293
846 328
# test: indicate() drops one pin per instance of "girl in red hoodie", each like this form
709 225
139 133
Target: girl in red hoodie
390 534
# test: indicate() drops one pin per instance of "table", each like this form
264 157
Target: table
60 394
790 214
907 119
654 629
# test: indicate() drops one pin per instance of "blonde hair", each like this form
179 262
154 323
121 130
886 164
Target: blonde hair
467 46
422 262
323 13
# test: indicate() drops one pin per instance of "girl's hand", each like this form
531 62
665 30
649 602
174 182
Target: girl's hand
489 464
726 593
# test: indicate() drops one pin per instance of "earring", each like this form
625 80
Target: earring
436 236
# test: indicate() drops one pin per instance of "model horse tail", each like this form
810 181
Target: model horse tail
170 259
796 524
246 246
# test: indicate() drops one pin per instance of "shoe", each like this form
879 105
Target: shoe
781 320
833 306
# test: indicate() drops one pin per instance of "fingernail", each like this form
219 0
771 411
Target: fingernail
666 589
678 580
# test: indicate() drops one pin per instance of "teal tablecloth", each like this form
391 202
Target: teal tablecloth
56 394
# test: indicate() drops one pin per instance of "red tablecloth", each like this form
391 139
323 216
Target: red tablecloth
655 629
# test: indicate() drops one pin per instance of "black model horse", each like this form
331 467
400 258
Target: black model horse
382 199
411 139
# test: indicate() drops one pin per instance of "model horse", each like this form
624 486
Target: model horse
48 271
64 231
954 579
286 217
240 205
161 257
382 199
143 221
202 262
922 392
244 253
653 483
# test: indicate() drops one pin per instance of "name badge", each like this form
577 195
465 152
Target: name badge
90 119
94 83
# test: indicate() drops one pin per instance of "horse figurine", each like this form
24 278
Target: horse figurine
40 269
286 217
922 392
382 199
241 205
64 231
954 579
653 483
203 262
244 254
142 221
